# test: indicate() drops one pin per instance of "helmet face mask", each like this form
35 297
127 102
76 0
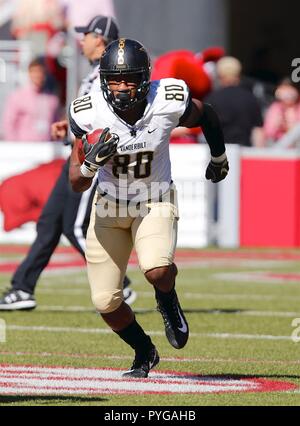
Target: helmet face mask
127 60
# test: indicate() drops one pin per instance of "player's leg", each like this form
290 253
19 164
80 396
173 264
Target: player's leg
109 244
49 228
129 294
155 237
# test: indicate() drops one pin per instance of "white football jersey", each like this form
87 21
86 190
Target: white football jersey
142 161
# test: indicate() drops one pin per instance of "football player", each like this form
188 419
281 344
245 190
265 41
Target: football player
135 203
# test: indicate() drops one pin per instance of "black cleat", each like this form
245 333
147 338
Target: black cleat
142 364
14 300
176 326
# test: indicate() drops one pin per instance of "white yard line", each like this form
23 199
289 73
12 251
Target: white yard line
151 332
255 277
165 359
64 291
239 296
56 308
186 295
273 314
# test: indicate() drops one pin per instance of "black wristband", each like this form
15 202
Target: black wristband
212 130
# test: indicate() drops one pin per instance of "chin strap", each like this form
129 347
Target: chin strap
123 98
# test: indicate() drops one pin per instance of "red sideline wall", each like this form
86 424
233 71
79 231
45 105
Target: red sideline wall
270 202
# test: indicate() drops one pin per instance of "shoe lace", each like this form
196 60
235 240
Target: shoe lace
170 312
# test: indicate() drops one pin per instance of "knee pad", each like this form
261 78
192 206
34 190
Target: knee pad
108 301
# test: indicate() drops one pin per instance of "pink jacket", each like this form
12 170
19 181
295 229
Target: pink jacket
28 115
280 119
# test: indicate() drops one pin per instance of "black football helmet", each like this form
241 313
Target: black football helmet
125 56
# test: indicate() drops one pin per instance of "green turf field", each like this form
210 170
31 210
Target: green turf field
240 325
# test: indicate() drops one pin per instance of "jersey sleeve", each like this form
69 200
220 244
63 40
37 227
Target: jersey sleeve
173 99
81 115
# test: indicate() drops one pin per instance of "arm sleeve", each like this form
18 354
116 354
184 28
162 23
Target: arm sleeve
211 127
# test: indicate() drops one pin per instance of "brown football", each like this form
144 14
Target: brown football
92 138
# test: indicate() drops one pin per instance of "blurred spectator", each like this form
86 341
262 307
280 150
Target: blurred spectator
80 12
30 110
37 21
284 113
236 106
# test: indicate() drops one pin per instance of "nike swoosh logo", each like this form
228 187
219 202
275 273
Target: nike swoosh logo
97 158
151 131
183 328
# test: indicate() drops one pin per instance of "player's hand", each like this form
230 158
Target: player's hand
217 169
59 130
96 155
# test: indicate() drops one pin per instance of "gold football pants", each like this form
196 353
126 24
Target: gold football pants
110 241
